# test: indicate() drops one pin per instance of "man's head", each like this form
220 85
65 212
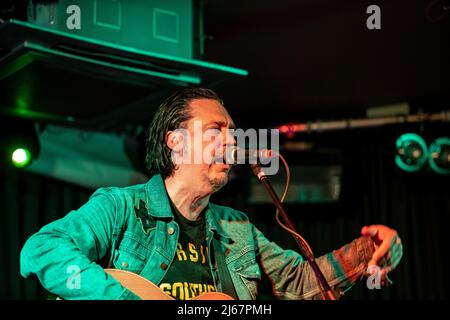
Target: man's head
187 114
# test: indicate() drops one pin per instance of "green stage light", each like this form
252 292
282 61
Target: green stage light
412 152
439 156
19 143
21 157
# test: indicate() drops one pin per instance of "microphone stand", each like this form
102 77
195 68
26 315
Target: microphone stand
256 168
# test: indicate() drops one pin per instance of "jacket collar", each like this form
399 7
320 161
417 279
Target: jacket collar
158 205
212 216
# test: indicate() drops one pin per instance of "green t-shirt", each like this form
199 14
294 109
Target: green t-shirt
189 274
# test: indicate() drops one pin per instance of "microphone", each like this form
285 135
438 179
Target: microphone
235 155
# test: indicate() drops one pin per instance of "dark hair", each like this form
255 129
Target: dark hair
171 115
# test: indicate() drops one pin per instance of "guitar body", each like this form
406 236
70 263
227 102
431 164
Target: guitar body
146 290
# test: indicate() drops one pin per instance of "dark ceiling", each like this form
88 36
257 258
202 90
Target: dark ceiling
316 59
307 60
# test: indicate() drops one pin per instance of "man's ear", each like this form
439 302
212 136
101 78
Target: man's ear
174 140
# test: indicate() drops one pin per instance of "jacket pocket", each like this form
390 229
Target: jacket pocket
128 261
250 275
130 255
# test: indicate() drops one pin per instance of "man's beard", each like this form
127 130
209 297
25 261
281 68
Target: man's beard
217 184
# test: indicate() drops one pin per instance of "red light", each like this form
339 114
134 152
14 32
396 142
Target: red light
300 128
284 129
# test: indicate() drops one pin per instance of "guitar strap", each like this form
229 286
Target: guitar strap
224 273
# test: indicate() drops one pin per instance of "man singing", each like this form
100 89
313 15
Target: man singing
167 231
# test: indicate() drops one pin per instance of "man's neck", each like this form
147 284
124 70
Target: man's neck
189 201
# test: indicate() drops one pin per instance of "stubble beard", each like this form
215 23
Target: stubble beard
216 183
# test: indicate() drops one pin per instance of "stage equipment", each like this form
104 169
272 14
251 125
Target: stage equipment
439 155
19 142
412 152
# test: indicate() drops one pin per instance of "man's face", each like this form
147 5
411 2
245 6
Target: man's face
208 129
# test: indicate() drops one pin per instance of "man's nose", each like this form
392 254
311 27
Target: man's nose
230 139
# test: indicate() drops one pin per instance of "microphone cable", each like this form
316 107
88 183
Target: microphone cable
293 232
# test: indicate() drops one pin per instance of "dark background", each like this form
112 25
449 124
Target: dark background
307 60
316 59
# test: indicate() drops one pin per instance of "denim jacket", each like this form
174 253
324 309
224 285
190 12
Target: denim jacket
133 229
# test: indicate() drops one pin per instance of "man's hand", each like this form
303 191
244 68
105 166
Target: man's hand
388 249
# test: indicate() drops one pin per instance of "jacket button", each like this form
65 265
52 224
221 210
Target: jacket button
125 264
170 230
163 265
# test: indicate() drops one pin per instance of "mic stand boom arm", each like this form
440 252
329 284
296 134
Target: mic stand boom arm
329 295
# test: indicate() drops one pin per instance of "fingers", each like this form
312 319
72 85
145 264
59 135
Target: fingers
389 262
389 265
388 250
382 250
374 232
394 255
369 231
385 281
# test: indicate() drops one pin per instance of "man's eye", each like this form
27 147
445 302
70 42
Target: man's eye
214 133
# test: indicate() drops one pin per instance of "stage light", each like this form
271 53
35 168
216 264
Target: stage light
21 157
439 156
19 145
411 152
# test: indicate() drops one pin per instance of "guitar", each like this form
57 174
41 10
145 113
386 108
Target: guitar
146 290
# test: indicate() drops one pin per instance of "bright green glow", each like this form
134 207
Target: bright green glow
437 147
35 115
24 95
21 103
198 63
21 157
406 139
